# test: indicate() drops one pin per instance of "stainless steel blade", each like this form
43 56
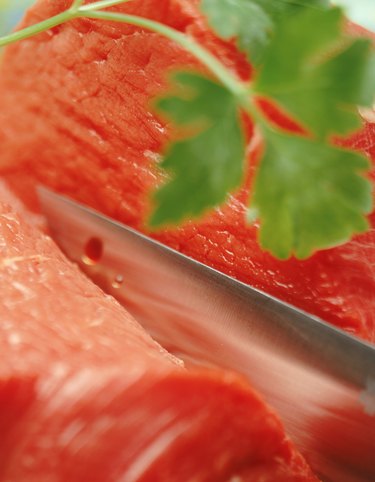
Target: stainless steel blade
319 379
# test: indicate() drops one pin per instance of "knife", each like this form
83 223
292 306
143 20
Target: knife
320 380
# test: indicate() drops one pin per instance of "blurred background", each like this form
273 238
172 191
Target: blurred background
360 11
11 12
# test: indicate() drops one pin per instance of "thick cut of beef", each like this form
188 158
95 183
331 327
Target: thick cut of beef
75 114
87 395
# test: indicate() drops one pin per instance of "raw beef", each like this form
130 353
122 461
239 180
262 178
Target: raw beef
75 114
87 395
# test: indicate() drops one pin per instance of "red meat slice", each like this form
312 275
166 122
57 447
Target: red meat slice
87 395
75 115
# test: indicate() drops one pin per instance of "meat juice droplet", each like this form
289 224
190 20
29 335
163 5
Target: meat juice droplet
117 282
93 251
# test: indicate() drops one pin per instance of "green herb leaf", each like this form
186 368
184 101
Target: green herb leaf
251 22
309 195
279 8
204 167
317 74
243 19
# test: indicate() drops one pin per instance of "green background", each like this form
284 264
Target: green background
360 11
10 13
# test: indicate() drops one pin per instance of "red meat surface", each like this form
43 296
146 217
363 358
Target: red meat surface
75 114
87 395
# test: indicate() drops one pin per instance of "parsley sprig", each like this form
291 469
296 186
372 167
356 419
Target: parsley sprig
252 22
204 168
308 194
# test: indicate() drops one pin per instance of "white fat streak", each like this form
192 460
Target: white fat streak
14 339
71 432
144 461
71 385
25 290
10 216
12 262
153 156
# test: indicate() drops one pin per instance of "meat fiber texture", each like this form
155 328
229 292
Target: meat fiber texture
87 395
76 115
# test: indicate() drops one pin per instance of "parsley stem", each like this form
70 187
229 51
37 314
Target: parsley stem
237 87
74 11
101 4
38 28
76 4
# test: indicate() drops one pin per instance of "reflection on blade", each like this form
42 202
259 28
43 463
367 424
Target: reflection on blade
320 380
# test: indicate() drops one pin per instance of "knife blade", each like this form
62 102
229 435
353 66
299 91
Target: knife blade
319 379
